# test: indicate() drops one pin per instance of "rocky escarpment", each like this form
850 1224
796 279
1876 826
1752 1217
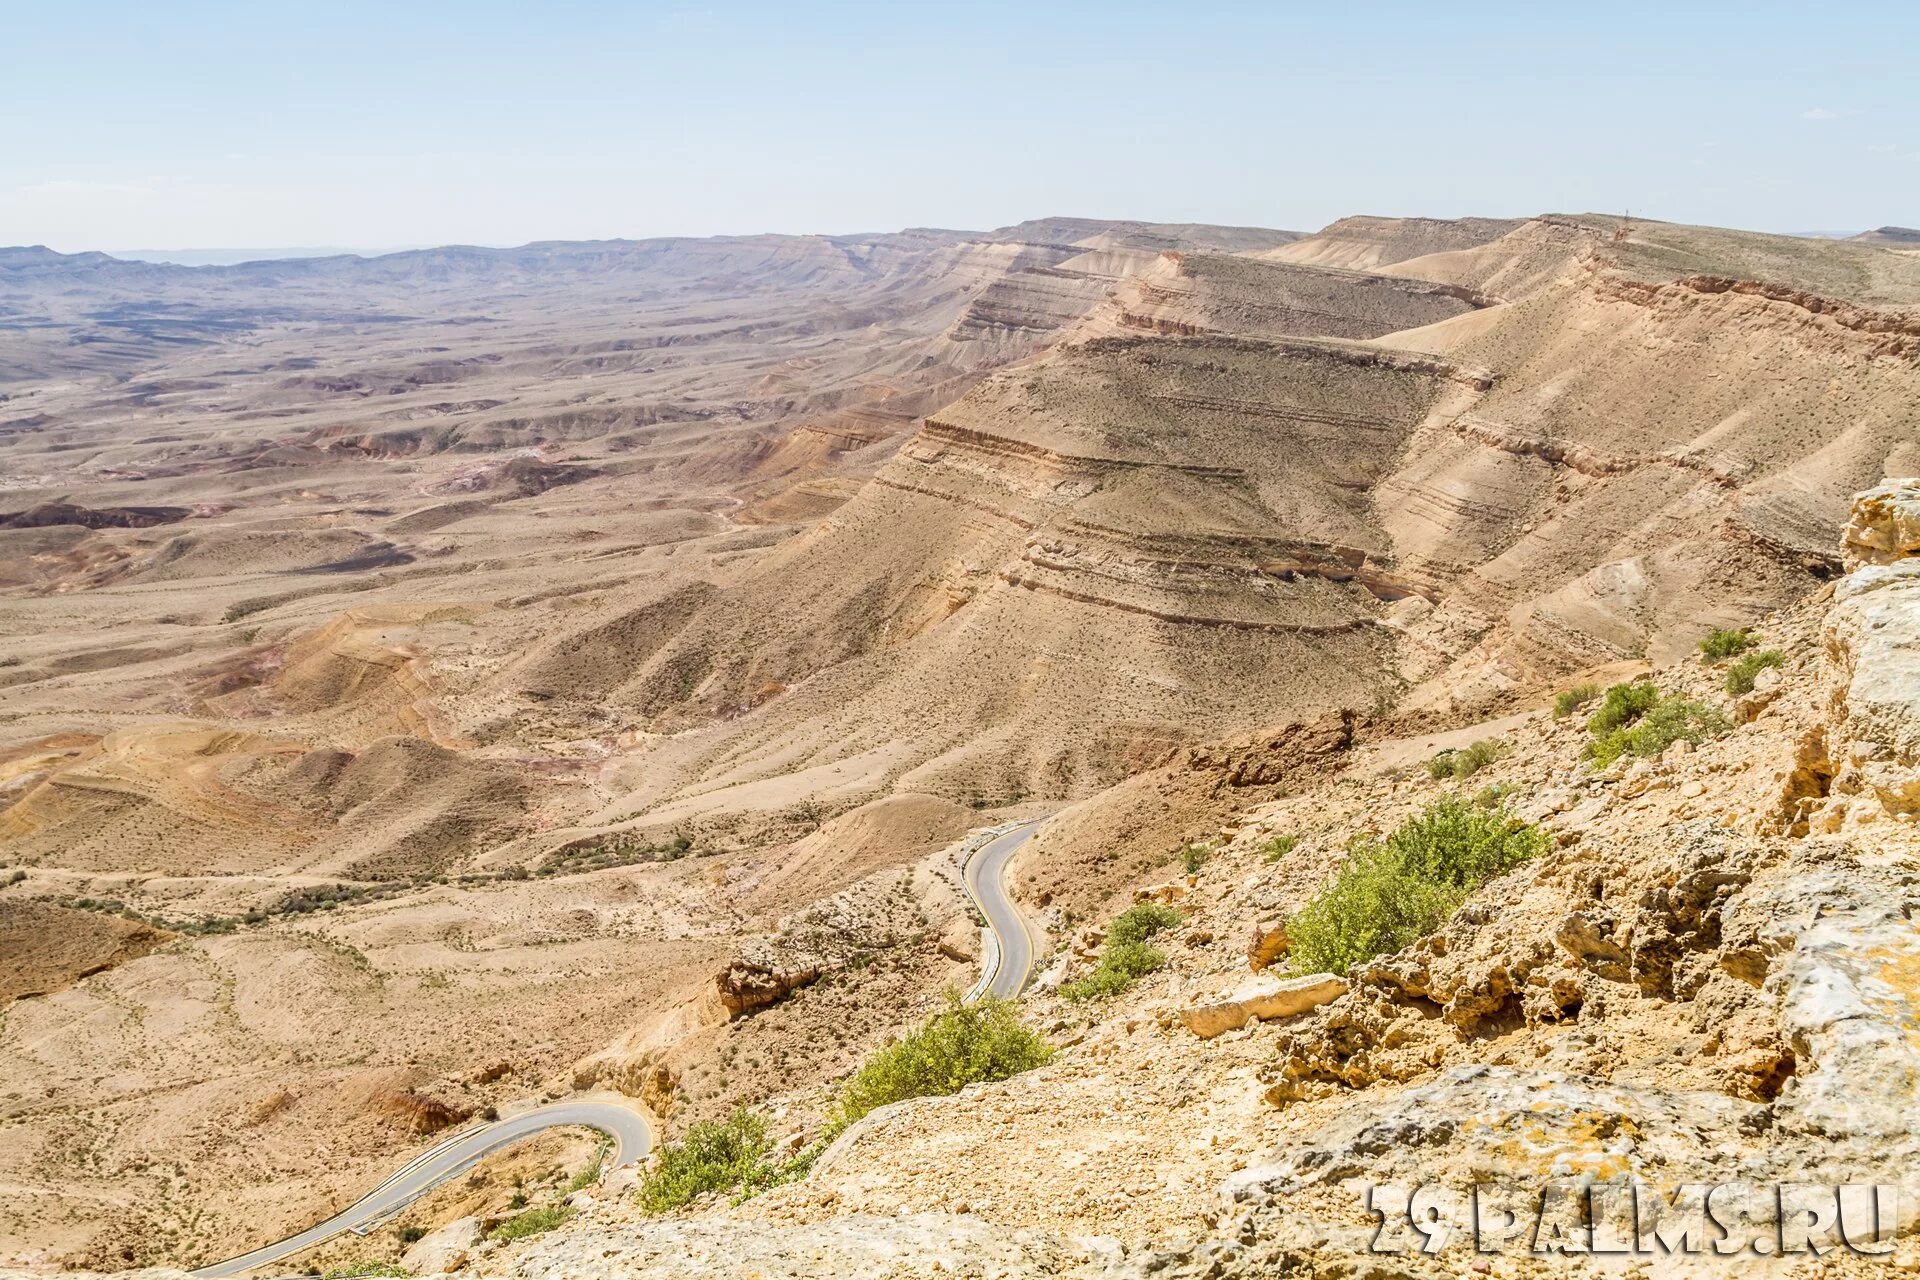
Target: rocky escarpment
1868 751
1191 293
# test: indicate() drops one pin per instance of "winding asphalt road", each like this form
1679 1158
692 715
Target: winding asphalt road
1008 962
630 1130
1007 968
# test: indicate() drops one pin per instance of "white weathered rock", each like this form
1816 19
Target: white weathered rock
1261 1000
443 1250
1873 641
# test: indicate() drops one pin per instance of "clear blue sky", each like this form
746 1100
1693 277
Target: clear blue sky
156 124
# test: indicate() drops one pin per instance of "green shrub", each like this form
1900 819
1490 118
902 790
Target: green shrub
1571 700
363 1271
1193 856
1477 756
1141 921
1740 675
589 1174
1393 891
1726 642
1493 795
528 1222
1622 705
1121 965
1467 761
1278 847
1126 957
715 1155
1665 724
963 1044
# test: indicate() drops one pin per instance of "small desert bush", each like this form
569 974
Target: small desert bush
1724 642
1622 705
714 1155
963 1044
1571 700
1741 674
1141 921
1467 761
1127 956
589 1173
1394 891
1278 847
1121 965
363 1271
1665 723
1193 856
528 1222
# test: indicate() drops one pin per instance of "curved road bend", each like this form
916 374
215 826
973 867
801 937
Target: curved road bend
1011 960
986 876
631 1133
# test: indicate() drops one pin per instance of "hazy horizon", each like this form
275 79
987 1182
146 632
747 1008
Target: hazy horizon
227 255
221 125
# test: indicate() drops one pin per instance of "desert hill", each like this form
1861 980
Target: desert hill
1367 243
1890 237
1498 494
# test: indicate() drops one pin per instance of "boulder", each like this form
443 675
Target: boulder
960 940
1268 943
1263 999
444 1249
1884 525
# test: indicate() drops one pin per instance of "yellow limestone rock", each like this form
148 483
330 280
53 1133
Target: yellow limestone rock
1268 943
1262 999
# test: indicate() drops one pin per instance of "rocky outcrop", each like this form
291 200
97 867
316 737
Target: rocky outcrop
746 985
1267 944
1884 525
48 514
421 1113
1261 1000
1871 741
442 1250
1873 734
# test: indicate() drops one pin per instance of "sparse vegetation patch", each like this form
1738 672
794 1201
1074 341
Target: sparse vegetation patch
1278 847
728 1155
529 1222
1640 722
1724 642
1740 676
1127 956
1467 761
963 1044
1622 705
1572 700
1394 891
